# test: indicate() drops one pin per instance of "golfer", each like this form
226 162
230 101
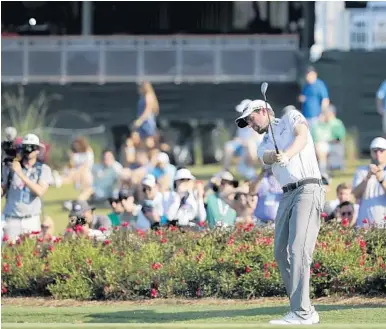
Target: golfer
298 218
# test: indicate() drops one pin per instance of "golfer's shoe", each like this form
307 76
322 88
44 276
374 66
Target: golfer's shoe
292 318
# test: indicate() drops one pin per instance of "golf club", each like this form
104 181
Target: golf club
264 87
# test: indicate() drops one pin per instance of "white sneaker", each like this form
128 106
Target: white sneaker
292 318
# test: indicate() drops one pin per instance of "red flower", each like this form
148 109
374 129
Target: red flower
273 265
69 230
362 263
173 228
319 275
383 266
345 222
106 242
384 218
154 293
3 290
57 240
231 240
125 224
19 263
201 224
156 266
317 266
362 244
40 239
116 228
88 261
18 241
324 215
5 238
10 243
248 269
78 228
365 221
35 232
140 233
51 248
266 266
164 240
5 268
267 274
198 292
102 229
36 253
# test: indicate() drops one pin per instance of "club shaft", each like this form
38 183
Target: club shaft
270 125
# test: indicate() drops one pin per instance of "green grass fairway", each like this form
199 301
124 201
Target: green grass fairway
53 201
178 314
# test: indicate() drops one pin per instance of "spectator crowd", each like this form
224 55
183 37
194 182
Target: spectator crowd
146 191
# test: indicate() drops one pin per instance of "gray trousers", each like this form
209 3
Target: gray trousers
297 227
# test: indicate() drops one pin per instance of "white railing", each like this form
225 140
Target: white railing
177 59
367 28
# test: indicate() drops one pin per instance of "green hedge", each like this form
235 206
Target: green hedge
168 263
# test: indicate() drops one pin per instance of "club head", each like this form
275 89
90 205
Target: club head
264 87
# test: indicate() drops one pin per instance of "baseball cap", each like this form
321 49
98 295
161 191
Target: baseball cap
183 173
79 207
241 107
378 143
31 139
252 106
162 157
149 180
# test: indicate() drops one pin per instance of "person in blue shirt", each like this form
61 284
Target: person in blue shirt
164 170
314 96
381 103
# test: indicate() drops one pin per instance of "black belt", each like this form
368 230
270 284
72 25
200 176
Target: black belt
294 186
21 217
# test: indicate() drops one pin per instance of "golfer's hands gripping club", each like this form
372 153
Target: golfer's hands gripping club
281 158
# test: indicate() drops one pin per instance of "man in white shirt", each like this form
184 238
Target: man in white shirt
298 218
370 186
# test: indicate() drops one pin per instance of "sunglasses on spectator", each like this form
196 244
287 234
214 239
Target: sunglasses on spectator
184 180
226 182
378 150
146 189
44 227
348 213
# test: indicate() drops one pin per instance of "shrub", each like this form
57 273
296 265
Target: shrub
168 263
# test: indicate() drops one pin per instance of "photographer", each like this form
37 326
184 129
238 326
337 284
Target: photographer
82 214
24 183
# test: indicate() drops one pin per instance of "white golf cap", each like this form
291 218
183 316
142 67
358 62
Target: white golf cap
378 143
149 180
162 157
252 106
226 175
183 173
31 139
241 107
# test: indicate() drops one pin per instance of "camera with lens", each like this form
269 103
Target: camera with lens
10 151
77 220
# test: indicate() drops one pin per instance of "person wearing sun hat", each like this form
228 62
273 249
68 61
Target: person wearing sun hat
189 200
369 186
219 211
24 183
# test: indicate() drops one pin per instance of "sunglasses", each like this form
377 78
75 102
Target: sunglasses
226 182
378 150
184 180
146 189
348 213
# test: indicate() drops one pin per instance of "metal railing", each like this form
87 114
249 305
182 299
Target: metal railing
177 59
368 28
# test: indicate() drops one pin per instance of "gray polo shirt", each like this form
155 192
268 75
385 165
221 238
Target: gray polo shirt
20 200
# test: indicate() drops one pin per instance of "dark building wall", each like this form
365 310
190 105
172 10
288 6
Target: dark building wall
113 104
353 79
